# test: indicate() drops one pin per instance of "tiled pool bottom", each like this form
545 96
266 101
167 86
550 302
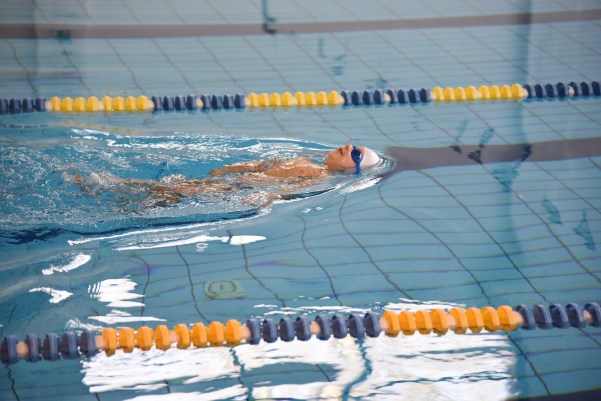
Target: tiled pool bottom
412 58
505 233
316 252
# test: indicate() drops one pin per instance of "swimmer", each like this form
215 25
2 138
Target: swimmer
343 158
296 173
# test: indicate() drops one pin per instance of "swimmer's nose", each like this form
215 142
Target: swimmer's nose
348 147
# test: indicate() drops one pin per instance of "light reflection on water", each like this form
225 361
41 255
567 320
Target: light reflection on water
449 367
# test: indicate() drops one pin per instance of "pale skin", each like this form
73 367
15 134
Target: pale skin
298 172
338 159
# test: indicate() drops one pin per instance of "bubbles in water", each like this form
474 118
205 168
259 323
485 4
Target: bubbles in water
73 183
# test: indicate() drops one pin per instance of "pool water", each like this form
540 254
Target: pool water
478 203
41 189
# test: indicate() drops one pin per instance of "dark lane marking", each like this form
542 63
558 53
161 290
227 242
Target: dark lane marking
462 155
63 30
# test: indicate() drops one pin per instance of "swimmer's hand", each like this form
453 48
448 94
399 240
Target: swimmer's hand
242 167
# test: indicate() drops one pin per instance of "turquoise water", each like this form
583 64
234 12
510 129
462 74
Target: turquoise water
522 227
40 188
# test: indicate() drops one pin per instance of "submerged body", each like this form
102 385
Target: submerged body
290 174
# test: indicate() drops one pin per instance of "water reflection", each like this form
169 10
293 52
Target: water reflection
466 367
149 371
56 296
79 260
117 293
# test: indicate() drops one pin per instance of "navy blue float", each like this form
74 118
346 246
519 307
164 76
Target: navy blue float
346 97
87 343
158 103
4 106
378 97
402 96
413 96
254 327
179 103
527 315
27 105
559 316
8 350
372 324
239 101
302 328
269 331
575 316
368 98
168 103
563 90
14 106
286 329
68 346
356 327
35 347
216 103
542 316
191 102
339 328
50 349
228 102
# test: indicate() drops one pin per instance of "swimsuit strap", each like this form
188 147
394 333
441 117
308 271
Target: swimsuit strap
357 156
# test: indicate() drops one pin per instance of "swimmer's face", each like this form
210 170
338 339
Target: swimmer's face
341 159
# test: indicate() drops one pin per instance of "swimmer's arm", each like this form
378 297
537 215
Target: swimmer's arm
298 167
242 167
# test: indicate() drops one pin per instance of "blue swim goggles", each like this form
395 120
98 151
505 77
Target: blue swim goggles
357 156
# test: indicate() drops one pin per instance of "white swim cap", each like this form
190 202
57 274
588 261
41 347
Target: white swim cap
370 158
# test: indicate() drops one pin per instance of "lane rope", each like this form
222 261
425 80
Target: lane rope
376 97
232 333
